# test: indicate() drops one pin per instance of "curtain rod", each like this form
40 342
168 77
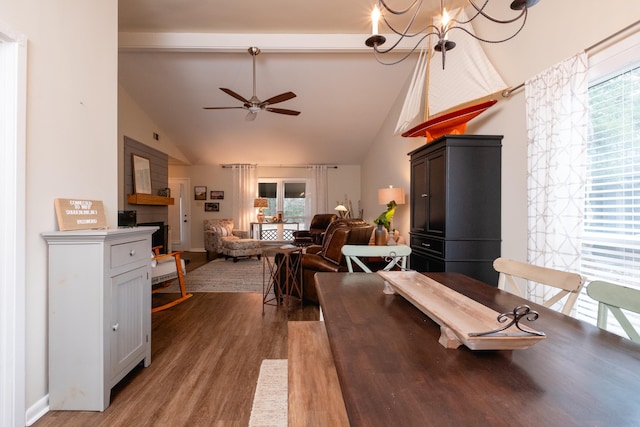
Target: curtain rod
279 166
507 92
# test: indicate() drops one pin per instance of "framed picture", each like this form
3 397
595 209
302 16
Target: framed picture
141 174
199 192
212 207
216 195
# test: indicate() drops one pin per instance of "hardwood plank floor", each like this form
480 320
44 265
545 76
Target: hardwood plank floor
206 355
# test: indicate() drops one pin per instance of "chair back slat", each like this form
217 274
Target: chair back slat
568 284
612 297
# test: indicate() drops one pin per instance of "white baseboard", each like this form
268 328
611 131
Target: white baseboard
37 410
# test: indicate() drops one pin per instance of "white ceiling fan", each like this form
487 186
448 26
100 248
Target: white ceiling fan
254 105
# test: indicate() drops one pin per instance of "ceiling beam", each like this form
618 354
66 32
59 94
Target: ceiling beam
236 43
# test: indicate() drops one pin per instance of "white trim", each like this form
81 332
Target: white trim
13 87
37 410
237 43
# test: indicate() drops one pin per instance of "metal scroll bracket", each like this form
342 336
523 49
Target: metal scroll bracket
518 313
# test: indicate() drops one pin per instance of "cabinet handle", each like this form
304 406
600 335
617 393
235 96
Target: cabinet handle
132 252
115 327
424 195
426 245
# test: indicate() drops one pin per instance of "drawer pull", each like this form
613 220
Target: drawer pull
132 252
115 327
424 195
426 245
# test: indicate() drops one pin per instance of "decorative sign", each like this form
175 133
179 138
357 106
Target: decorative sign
76 214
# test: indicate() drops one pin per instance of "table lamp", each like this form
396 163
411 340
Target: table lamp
260 203
342 211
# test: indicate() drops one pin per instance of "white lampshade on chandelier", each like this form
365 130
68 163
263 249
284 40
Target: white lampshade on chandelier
405 23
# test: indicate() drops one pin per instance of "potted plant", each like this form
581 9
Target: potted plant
384 220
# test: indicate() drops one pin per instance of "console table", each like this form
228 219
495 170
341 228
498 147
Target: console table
277 231
393 371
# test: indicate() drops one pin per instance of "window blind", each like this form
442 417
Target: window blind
611 234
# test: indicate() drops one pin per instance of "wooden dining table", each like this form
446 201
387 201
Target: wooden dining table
393 372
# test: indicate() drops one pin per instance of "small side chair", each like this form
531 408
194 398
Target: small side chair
613 298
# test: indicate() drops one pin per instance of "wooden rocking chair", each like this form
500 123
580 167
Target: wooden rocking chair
168 267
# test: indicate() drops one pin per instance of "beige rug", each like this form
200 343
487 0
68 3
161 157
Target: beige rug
270 400
222 275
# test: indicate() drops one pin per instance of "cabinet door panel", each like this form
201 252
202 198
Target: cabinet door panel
128 334
436 191
419 195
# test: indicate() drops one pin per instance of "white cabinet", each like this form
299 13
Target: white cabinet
99 313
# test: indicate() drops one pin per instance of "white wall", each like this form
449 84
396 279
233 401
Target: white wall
71 134
555 30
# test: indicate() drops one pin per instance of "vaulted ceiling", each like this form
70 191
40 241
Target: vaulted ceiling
175 55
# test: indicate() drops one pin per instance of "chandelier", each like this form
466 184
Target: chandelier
444 23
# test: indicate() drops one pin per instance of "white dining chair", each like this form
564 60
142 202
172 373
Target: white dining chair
613 298
568 284
392 254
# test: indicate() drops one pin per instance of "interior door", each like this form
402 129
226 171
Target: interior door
180 215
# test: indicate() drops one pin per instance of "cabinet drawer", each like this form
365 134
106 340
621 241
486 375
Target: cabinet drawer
433 246
130 252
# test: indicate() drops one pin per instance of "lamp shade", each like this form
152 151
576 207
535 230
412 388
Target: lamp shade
261 203
385 195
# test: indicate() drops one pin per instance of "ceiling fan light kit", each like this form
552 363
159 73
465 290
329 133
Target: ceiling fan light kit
254 105
444 24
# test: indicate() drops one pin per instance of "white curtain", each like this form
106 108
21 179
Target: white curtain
245 183
317 193
557 117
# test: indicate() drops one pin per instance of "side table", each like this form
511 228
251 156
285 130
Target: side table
281 274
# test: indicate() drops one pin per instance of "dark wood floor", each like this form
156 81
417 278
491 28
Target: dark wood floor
206 355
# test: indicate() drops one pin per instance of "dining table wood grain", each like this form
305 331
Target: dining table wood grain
393 371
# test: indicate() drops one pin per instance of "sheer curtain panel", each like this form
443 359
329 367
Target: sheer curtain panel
557 118
245 183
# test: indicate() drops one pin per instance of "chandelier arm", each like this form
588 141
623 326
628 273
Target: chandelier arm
490 18
405 32
487 40
376 51
401 12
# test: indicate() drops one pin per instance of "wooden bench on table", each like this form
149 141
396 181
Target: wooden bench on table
315 397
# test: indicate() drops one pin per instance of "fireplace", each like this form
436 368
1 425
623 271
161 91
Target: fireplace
160 237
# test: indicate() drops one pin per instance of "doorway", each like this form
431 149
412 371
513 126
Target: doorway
180 215
13 98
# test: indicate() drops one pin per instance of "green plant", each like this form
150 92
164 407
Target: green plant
386 216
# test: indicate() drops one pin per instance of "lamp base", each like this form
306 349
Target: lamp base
260 217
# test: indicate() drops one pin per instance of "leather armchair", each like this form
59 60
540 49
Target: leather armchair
317 228
328 257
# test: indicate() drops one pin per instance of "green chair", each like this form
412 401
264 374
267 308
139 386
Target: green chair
613 298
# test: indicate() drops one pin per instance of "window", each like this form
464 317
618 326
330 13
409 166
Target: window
286 196
611 234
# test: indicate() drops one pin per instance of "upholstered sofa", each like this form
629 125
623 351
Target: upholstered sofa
218 230
328 256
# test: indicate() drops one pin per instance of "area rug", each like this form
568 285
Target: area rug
222 275
271 397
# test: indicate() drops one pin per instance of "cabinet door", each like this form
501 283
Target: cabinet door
419 195
436 193
128 328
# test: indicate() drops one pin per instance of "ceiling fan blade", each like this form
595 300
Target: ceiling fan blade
251 116
283 111
235 95
222 108
279 98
